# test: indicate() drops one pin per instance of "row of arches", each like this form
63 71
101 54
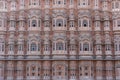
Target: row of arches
47 2
61 70
58 70
58 43
59 22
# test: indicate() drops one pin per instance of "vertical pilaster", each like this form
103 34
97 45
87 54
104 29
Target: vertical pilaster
68 70
42 70
5 70
51 72
15 70
24 70
77 70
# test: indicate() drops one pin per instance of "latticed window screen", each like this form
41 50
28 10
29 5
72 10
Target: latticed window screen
34 23
60 46
86 47
33 47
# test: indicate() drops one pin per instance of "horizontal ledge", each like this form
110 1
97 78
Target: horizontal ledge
58 59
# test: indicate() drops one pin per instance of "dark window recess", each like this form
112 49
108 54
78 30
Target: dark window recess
86 74
38 69
33 74
86 47
86 68
59 24
83 3
33 68
80 74
59 73
85 25
34 23
59 2
119 25
65 25
59 68
34 3
80 68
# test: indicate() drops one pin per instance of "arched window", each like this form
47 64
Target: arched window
34 2
33 47
59 22
59 2
59 46
85 23
34 23
83 2
85 47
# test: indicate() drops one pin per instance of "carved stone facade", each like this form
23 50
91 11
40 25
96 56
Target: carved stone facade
59 39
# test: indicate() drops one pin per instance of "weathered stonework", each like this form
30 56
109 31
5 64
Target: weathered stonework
59 39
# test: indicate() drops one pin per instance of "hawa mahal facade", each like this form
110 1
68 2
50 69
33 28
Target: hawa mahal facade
59 39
